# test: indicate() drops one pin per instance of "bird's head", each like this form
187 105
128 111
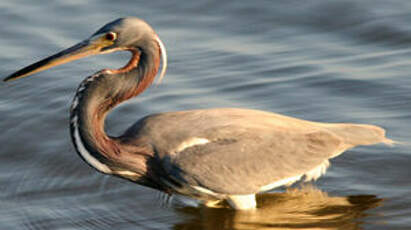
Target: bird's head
122 34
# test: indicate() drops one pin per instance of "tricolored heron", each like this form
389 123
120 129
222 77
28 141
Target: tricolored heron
212 155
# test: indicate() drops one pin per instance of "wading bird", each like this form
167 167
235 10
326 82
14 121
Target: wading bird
211 155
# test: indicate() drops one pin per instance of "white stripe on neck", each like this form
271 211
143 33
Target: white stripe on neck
83 151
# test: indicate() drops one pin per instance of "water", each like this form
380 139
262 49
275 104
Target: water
329 61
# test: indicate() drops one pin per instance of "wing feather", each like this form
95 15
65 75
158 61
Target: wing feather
245 151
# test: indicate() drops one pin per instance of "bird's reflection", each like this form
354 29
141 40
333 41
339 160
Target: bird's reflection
297 208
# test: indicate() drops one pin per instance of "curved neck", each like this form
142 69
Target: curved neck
97 95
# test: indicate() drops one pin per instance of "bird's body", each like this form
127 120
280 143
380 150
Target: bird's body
215 154
265 150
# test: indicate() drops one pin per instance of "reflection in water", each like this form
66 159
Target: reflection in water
304 208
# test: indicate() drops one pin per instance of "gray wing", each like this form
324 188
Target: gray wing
235 151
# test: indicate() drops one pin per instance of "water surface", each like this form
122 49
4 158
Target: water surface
328 61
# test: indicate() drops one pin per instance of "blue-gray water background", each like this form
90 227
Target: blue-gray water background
328 61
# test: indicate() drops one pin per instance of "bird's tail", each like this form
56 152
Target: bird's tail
359 134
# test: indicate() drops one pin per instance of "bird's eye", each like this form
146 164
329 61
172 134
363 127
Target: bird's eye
111 36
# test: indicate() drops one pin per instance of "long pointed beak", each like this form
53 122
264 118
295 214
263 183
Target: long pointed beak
80 50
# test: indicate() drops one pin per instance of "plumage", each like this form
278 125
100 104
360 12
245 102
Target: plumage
245 145
215 154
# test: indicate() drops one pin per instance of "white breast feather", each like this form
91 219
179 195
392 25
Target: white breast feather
318 171
312 174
